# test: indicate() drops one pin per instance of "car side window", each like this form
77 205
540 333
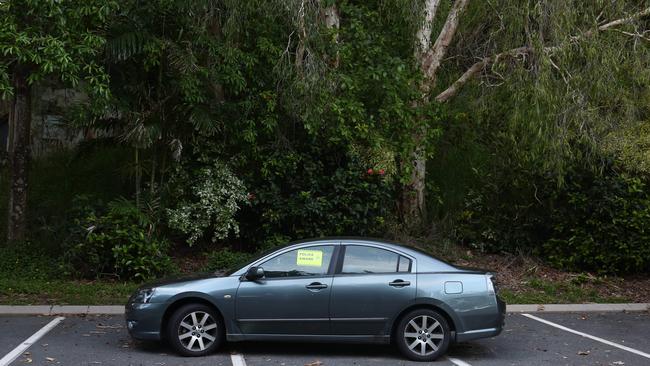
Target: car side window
310 261
404 264
362 259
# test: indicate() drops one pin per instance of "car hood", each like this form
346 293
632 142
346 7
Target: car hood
181 279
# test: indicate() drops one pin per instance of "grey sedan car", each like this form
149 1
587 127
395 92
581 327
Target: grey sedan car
324 290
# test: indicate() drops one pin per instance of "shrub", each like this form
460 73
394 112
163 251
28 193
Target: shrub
314 198
226 259
594 222
208 199
26 261
603 225
507 213
121 242
95 169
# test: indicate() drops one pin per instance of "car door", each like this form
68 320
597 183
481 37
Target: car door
293 296
371 285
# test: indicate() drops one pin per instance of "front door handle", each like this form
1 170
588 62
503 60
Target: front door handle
399 283
316 286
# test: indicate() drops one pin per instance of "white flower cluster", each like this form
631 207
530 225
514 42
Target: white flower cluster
216 196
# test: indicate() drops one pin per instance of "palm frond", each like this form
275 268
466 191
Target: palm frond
126 45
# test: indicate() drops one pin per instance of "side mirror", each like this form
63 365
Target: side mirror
254 273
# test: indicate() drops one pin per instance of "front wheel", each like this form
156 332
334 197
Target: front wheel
423 335
195 330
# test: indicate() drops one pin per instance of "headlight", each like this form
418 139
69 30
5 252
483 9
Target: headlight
143 295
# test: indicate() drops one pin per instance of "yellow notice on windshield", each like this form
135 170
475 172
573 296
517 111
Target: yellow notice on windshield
312 258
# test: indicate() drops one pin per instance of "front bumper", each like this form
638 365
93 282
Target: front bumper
144 321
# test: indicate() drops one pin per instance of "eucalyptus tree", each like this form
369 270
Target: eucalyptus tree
39 40
560 62
552 86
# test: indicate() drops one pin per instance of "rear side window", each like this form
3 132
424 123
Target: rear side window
404 264
362 259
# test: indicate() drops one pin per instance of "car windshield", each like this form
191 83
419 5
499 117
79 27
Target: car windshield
260 255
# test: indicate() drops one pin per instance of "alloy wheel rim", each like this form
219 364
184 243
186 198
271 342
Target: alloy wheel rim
423 335
197 331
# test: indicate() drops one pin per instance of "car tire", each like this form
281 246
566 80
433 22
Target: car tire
195 330
423 335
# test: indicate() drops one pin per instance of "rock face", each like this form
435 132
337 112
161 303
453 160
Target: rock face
48 132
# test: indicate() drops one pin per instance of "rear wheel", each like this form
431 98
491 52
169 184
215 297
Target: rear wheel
195 330
423 335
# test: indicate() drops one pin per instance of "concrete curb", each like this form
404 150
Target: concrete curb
118 309
570 308
61 309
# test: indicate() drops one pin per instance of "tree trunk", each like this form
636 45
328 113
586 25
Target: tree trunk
19 156
333 21
413 205
429 59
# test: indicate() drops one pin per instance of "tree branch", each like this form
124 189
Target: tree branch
302 36
475 69
433 57
629 19
453 89
424 32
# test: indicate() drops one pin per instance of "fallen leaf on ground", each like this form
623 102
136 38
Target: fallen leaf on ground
27 360
51 359
314 363
583 353
108 326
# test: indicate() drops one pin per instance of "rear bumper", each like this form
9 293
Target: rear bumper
488 332
143 321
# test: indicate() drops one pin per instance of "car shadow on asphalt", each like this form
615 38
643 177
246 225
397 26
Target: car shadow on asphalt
310 349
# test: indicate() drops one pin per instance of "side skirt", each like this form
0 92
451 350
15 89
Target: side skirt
384 339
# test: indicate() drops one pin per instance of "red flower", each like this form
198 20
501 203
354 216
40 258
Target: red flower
370 171
382 172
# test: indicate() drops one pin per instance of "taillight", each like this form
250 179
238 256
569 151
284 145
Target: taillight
492 283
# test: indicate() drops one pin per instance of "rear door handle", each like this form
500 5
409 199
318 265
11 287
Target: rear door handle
316 286
399 283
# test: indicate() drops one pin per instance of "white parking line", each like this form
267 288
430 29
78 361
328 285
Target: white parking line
643 354
11 356
456 361
236 358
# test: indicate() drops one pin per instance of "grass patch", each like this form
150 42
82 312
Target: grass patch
539 291
64 292
31 276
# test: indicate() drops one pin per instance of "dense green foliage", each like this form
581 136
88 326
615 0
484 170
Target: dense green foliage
121 241
596 221
54 38
307 197
224 259
247 124
604 225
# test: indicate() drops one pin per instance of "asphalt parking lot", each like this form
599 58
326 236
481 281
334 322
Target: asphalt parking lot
569 339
